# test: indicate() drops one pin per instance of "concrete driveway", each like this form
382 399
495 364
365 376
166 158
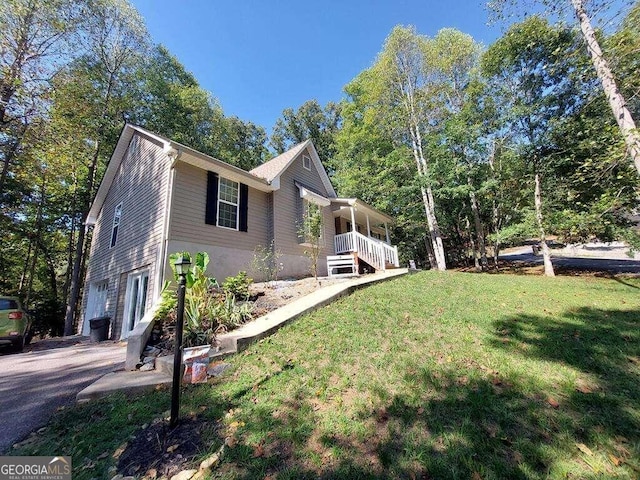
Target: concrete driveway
46 376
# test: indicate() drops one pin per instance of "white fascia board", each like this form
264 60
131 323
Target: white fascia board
200 160
314 197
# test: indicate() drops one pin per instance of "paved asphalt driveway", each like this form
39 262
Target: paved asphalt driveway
612 265
47 375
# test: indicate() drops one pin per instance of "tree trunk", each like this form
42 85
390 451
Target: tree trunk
9 155
76 275
496 228
76 279
474 251
427 193
546 254
616 100
475 209
430 255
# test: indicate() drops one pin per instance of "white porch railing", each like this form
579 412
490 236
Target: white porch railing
375 252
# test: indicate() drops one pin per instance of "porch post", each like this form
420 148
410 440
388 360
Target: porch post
368 227
386 232
353 220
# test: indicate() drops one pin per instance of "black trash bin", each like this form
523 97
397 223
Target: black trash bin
99 329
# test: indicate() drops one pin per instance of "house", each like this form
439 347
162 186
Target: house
158 197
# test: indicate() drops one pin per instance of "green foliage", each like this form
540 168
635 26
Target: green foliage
238 286
311 231
310 121
208 308
168 303
266 262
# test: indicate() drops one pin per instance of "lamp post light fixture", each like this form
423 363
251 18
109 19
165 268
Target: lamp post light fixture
181 264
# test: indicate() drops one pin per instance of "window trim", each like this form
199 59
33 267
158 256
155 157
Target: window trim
117 217
306 204
306 159
220 201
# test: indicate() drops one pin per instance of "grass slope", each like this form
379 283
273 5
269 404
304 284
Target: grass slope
434 375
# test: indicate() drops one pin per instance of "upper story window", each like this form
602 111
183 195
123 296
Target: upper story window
306 162
116 223
228 204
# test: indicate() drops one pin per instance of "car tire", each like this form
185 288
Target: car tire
27 338
19 344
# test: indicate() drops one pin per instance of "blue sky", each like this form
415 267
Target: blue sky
260 57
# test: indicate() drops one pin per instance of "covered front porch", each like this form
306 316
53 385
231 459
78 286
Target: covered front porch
362 233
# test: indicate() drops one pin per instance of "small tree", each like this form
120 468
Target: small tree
265 262
311 231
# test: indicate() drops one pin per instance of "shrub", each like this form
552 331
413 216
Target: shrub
237 286
265 262
208 309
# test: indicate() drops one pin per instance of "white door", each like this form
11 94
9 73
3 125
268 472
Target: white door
135 301
96 303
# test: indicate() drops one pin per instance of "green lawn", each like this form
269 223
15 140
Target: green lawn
434 375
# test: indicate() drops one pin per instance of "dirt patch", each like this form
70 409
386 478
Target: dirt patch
270 296
158 451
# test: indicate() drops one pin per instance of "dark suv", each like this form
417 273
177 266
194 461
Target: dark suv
15 323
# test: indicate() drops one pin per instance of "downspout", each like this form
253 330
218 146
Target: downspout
174 156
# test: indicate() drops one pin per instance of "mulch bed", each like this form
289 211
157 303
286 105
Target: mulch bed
157 451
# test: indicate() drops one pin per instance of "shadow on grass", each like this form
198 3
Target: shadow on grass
467 421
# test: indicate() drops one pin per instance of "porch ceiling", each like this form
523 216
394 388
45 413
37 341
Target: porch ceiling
342 208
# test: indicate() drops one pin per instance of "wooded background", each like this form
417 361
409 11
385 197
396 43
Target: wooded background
470 148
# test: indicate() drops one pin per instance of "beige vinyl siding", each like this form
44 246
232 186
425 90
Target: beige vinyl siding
285 215
188 227
141 186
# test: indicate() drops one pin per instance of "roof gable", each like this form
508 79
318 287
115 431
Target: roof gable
274 168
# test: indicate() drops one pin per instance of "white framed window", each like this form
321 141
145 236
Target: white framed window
312 213
117 213
306 162
228 203
96 303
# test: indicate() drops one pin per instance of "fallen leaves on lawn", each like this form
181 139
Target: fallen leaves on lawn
553 402
584 449
172 448
119 451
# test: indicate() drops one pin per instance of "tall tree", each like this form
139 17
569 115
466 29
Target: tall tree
616 100
33 39
528 63
98 85
310 121
406 75
456 58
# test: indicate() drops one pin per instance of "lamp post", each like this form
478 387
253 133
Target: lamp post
182 264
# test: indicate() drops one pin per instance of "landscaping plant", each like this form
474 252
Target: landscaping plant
311 231
237 286
208 309
266 263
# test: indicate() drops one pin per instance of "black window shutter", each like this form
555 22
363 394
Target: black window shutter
244 206
211 211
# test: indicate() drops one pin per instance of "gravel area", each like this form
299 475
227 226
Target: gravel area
273 295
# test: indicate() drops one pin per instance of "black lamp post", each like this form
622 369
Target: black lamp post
182 264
